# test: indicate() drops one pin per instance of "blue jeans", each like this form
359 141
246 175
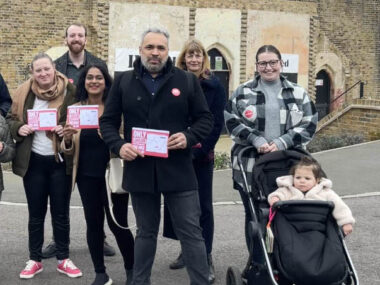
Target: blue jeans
185 212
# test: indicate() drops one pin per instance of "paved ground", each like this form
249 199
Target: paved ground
354 171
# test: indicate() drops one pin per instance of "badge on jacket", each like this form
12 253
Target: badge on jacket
176 92
250 113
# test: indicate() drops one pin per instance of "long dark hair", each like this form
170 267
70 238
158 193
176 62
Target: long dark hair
81 93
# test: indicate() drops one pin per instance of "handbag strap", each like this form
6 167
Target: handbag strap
110 206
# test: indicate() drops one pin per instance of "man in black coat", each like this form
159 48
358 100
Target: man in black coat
157 95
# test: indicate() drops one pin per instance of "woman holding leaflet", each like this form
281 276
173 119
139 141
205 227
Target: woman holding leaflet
40 165
91 157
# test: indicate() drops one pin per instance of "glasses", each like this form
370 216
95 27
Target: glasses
263 64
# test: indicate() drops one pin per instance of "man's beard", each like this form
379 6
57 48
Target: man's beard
76 49
153 68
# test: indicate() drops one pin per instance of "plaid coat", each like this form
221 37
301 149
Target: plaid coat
244 117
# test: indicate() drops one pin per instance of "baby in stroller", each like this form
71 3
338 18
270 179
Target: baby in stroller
308 246
306 182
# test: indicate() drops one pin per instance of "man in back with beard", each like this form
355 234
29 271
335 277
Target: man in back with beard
71 64
77 57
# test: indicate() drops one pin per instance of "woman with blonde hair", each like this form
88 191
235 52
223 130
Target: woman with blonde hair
40 165
194 58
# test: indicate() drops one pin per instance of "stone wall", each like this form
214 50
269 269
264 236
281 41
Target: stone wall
361 117
31 27
351 30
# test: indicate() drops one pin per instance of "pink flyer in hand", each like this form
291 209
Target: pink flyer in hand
83 117
43 119
151 142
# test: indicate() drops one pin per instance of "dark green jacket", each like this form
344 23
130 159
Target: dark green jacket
8 151
20 163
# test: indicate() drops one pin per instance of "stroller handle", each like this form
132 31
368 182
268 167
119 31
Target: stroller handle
242 151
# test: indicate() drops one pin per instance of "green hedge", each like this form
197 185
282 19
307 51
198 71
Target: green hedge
335 141
222 160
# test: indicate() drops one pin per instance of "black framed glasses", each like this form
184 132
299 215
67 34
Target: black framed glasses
263 64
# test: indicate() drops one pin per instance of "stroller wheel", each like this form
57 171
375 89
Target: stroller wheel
233 276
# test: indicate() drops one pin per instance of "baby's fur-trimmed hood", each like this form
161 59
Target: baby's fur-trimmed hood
287 181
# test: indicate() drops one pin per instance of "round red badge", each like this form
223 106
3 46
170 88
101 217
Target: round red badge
248 114
176 92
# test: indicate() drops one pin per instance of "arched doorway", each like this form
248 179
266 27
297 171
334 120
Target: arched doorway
322 101
219 68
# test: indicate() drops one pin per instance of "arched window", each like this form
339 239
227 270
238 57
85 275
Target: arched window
323 85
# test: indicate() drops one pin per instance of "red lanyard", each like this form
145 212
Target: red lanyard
271 216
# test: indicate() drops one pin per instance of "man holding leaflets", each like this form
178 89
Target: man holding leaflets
166 106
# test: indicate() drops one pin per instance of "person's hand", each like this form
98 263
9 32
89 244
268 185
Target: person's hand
264 148
58 130
273 200
68 132
177 141
347 229
129 152
1 146
272 147
25 130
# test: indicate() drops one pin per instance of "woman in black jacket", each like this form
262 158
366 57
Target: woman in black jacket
194 58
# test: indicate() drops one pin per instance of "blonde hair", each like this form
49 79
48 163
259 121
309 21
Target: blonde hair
191 46
41 55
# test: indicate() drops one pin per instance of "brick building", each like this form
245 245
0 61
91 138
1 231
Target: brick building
329 44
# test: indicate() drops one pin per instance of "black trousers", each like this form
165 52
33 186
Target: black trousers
95 203
204 171
47 178
185 212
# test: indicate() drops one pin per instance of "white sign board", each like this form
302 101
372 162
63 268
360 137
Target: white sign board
218 63
319 82
291 62
124 58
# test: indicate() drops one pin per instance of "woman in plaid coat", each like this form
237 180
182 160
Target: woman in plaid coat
270 113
